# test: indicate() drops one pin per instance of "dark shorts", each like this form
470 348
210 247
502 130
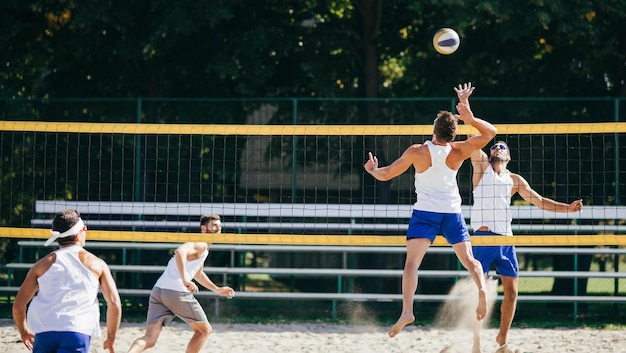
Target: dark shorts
61 342
424 224
165 304
504 257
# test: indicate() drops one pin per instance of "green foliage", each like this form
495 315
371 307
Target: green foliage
309 48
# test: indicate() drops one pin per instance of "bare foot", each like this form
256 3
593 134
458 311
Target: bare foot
405 319
505 349
481 310
501 339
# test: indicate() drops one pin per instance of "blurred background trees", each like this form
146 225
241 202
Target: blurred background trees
294 48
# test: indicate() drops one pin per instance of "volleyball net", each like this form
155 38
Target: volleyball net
289 184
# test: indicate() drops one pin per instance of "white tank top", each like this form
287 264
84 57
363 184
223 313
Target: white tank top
67 299
492 198
170 279
436 188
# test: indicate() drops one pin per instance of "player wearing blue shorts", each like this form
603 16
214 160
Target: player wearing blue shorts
65 313
494 185
437 209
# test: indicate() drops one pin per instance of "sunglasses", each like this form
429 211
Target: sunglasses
500 146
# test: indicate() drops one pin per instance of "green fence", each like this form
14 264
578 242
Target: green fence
416 110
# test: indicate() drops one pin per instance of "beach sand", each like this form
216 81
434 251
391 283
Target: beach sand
449 334
328 338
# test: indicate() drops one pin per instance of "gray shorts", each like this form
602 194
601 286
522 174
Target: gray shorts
164 304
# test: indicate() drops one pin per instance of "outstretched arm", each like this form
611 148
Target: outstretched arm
206 282
480 161
396 168
521 186
486 132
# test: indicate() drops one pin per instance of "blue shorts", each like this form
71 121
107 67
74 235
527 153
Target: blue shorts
504 257
61 342
424 224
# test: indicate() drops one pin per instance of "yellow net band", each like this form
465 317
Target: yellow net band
302 130
352 240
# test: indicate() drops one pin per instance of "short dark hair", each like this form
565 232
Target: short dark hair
62 222
209 217
65 220
445 126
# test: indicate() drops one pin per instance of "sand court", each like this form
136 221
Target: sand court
327 338
450 334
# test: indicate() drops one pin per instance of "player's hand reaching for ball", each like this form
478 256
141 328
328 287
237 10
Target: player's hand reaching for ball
464 91
465 113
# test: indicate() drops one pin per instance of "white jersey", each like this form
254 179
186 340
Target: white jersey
170 279
492 198
67 299
436 188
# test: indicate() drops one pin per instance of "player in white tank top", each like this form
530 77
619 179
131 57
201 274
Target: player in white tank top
437 209
172 294
494 185
436 188
492 197
67 299
66 309
170 279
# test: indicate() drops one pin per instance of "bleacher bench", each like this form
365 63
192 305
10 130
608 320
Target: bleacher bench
310 217
345 272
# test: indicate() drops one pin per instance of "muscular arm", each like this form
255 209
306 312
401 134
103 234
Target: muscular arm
207 283
114 305
521 186
110 293
182 253
480 161
464 149
414 155
27 291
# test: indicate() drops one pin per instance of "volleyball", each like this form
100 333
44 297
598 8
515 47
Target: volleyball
446 41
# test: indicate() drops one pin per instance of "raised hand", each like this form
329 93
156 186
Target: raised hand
465 113
464 91
372 163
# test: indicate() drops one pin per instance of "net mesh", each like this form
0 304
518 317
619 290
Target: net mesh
287 184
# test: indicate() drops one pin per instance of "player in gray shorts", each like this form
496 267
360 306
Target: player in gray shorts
164 304
172 294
